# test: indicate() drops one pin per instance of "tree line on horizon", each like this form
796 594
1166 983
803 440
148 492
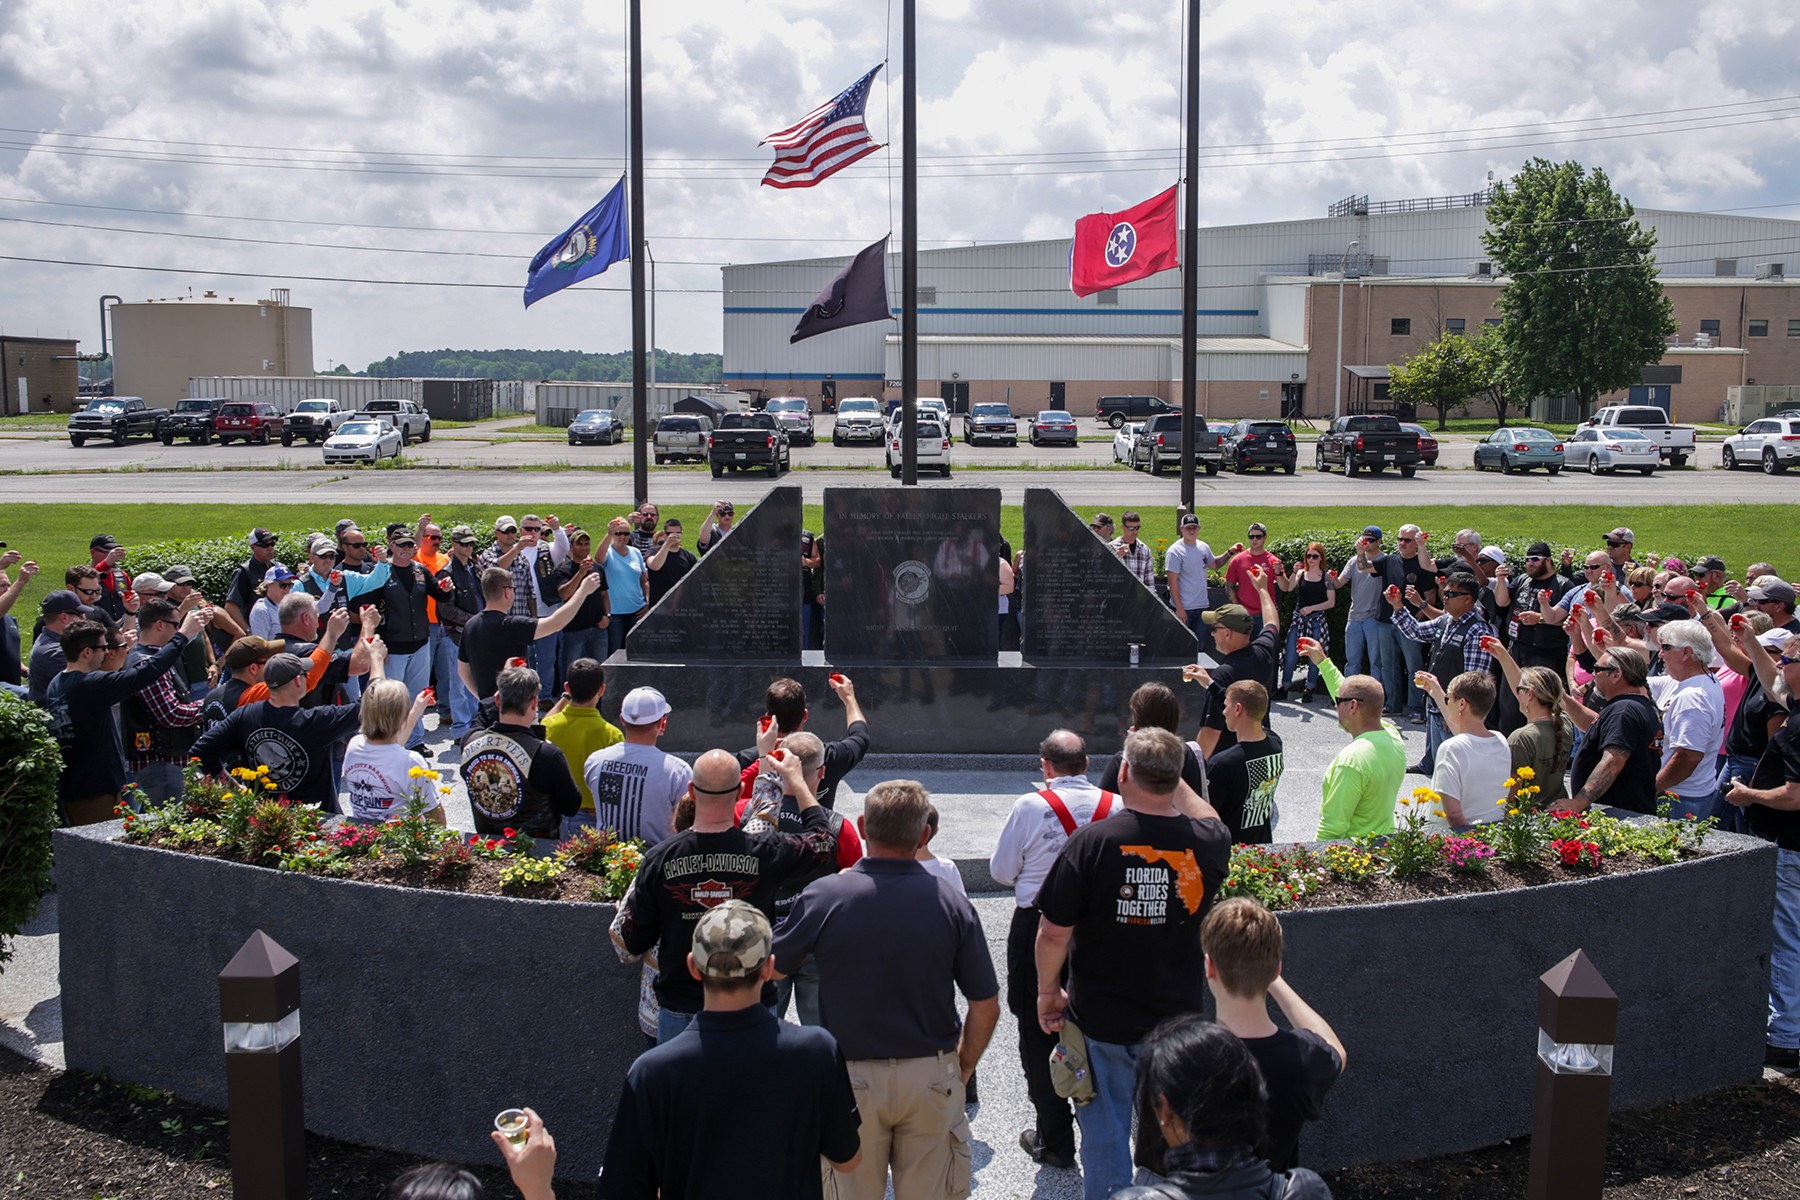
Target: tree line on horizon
540 365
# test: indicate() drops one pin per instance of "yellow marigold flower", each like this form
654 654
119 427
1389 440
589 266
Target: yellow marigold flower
263 770
445 789
1526 773
1511 782
414 772
1438 812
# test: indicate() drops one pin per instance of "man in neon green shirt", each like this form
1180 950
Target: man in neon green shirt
1363 781
576 727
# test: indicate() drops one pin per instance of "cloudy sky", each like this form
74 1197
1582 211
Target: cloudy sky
443 141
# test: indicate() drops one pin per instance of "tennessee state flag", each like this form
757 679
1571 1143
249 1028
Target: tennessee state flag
1114 248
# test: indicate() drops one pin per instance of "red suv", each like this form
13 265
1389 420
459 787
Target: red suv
248 421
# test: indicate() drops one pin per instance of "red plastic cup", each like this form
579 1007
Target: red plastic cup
836 678
515 662
1693 593
1489 642
1738 620
1599 636
1393 591
778 755
337 579
429 695
1592 596
763 723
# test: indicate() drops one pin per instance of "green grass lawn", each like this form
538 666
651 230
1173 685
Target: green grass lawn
56 535
35 423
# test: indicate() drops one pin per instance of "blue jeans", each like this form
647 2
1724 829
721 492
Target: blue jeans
463 704
1362 647
414 670
1394 685
802 987
1697 807
573 825
545 661
443 666
1290 662
1414 654
160 782
1731 817
1435 736
1784 954
671 1025
617 628
582 643
1106 1120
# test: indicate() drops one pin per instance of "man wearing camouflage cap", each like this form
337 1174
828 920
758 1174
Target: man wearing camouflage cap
735 1059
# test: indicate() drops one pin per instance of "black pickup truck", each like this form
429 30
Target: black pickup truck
115 417
192 419
1368 441
745 440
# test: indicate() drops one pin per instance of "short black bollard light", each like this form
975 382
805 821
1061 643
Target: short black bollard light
1578 1021
259 1002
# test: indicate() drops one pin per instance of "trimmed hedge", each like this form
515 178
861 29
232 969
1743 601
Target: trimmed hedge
30 762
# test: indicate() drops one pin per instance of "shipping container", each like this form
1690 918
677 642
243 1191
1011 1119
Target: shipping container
557 403
285 391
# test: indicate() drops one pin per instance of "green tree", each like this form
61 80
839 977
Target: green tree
1583 311
1443 374
1489 349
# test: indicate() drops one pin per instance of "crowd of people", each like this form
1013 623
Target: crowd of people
1627 686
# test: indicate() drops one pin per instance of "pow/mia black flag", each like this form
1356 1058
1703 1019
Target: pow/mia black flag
856 296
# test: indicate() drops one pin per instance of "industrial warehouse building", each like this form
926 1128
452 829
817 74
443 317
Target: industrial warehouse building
999 323
158 345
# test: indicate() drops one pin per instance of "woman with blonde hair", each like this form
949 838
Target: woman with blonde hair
381 775
1546 741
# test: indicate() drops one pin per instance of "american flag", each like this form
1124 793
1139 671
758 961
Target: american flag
824 141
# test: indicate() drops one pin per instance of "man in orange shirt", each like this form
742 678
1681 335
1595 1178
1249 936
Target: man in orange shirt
435 558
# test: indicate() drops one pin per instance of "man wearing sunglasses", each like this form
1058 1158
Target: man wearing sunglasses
104 553
1454 639
1237 575
518 546
1621 750
1771 803
1539 606
1618 552
240 597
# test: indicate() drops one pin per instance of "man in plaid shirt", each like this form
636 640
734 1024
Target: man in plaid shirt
1134 553
160 722
1454 646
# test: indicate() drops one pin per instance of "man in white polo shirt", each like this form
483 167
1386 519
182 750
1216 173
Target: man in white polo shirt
1035 832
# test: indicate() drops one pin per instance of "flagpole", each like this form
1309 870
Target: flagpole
909 252
1190 254
640 395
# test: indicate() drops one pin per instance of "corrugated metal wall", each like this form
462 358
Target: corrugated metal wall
286 391
557 403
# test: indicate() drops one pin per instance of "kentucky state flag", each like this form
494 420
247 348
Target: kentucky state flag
599 239
1114 248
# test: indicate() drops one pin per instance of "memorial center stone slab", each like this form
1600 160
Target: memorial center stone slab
1082 604
911 575
741 600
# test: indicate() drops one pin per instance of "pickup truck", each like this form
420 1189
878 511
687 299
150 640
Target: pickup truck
315 420
413 422
1368 441
745 440
1158 446
795 416
115 417
192 419
1677 441
858 420
991 422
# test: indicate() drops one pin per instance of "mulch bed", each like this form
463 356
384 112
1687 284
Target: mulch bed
70 1136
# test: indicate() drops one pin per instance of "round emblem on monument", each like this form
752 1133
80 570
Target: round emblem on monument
912 581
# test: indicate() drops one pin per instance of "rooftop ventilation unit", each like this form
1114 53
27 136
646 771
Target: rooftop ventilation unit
1481 270
1771 270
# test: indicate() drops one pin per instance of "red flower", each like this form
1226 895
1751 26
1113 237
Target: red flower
493 845
510 832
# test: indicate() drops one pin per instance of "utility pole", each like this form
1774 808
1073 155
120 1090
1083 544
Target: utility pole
640 393
1190 253
909 248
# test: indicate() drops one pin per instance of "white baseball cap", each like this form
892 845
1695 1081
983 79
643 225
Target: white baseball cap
643 706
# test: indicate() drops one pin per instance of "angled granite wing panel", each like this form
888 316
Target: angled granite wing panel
740 601
910 574
1081 603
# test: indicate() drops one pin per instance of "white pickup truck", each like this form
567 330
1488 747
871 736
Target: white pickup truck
1677 441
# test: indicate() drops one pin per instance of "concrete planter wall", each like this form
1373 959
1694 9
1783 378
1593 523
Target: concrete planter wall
426 1012
422 1013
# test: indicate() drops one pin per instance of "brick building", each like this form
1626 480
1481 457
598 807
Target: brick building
38 375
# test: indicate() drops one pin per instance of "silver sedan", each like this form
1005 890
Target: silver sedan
1606 450
362 441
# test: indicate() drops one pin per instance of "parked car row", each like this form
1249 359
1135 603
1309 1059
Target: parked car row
203 420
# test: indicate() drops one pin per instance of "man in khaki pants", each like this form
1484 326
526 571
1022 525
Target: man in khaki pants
892 943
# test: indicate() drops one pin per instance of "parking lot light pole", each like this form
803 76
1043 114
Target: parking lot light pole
259 1004
1337 382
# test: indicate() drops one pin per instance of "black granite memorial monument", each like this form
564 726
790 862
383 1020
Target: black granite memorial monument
1082 604
741 601
911 574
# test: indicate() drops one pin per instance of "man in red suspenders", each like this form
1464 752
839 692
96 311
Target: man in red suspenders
1035 831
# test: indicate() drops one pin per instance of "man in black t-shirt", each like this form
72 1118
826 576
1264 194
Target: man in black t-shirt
668 561
493 635
1622 749
1242 777
1409 569
1772 804
680 1129
241 597
1244 653
585 634
786 701
1128 893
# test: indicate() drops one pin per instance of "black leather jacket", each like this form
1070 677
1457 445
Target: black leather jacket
1253 1182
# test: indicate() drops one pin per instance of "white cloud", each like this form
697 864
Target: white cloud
999 82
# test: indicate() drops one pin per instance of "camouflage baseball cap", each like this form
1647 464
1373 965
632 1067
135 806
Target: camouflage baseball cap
732 940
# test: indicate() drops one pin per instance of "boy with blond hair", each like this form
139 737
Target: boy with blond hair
1242 941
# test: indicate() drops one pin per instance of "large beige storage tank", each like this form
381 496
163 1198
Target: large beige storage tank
158 345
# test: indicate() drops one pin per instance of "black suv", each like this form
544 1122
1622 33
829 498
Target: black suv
1261 444
1116 410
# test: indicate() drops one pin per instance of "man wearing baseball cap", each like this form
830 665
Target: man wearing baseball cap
241 667
1618 548
1186 564
679 1128
104 553
1536 610
1245 652
1775 597
46 661
636 786
1102 525
241 596
279 733
1710 577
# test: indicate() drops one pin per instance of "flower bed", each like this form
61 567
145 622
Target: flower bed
235 818
1527 847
